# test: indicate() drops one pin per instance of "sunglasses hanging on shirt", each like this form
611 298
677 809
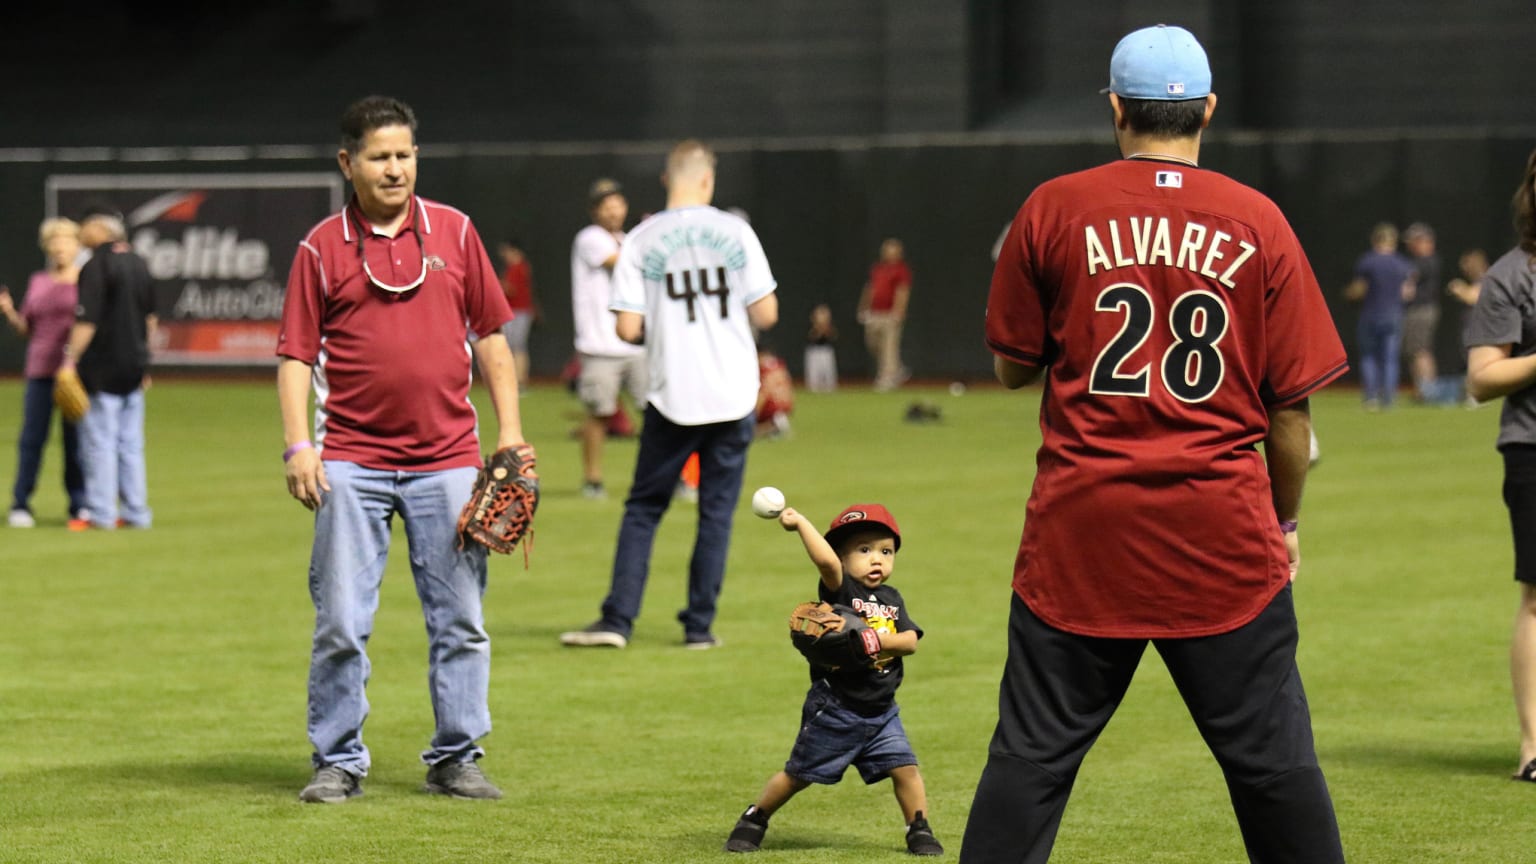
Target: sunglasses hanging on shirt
364 231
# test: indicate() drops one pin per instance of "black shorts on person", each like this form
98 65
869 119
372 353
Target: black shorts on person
1520 498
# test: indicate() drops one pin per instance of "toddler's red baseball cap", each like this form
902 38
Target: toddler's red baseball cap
862 516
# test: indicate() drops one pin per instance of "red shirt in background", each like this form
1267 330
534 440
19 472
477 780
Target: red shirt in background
517 284
884 279
777 393
392 371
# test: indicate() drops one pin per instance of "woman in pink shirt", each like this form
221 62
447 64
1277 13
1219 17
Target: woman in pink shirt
47 313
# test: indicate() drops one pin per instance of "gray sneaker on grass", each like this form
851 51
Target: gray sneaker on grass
331 785
460 780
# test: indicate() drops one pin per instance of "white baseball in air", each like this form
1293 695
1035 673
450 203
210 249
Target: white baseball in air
768 502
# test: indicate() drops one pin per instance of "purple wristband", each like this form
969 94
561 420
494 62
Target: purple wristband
1288 527
302 445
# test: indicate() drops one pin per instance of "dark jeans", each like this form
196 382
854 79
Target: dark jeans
1381 341
1243 691
664 447
37 415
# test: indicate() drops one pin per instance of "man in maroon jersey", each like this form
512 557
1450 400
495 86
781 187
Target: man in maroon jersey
1178 326
387 303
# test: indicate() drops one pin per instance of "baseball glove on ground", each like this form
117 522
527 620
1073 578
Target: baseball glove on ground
501 507
70 396
832 636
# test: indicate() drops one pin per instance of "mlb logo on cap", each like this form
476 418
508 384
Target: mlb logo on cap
1162 63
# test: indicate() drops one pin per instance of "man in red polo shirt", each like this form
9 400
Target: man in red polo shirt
387 302
1179 327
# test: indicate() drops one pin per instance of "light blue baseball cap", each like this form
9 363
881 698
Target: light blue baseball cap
1161 62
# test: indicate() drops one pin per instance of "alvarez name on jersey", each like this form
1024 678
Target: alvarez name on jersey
1173 308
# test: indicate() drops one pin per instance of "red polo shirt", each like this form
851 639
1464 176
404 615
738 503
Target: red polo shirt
884 278
392 371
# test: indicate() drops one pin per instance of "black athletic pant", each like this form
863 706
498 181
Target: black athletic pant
1243 690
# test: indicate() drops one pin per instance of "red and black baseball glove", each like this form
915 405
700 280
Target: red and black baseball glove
500 509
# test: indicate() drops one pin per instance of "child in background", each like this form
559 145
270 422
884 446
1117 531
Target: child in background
850 715
820 353
517 284
775 396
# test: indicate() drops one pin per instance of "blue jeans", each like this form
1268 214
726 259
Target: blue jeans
1381 341
37 415
664 447
832 738
352 532
112 453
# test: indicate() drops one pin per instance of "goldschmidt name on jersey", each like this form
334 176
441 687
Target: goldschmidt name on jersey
728 249
1148 240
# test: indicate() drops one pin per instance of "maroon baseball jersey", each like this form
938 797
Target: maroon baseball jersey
1173 307
392 370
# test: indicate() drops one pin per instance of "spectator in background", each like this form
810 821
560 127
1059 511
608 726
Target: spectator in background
1466 287
609 365
47 313
821 351
1501 361
517 282
109 346
1383 283
883 312
692 285
775 394
1421 319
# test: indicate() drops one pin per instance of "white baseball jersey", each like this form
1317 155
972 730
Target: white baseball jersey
592 292
692 272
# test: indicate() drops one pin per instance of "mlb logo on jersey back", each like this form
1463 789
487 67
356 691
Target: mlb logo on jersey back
1170 179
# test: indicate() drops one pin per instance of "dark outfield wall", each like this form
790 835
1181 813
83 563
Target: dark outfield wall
822 207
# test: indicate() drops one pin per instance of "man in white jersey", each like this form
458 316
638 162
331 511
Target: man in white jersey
609 365
692 285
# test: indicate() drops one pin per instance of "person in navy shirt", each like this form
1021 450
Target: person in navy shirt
1383 283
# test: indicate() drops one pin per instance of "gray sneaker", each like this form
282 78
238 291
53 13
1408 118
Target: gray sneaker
594 635
331 785
461 780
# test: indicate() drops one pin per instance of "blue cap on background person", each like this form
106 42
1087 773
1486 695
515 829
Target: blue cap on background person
1162 62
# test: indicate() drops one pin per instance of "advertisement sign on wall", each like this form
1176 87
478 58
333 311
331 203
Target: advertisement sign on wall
218 247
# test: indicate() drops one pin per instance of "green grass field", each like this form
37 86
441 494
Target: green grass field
152 683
